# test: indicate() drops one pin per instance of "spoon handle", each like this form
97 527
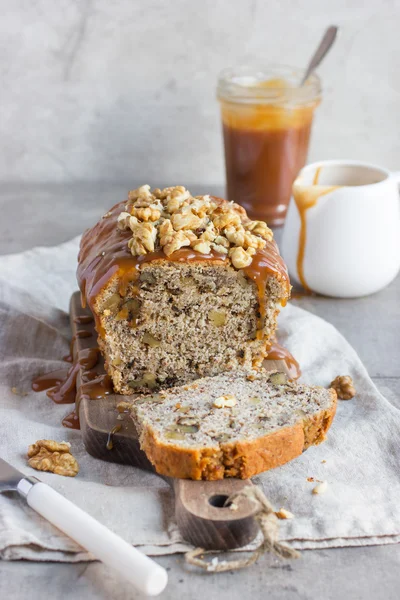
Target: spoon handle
321 51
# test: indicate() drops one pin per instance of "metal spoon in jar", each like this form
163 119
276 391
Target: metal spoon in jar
320 53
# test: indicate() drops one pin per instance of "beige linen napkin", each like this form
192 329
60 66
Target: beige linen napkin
360 461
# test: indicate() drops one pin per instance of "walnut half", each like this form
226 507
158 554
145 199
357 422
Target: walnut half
56 457
344 387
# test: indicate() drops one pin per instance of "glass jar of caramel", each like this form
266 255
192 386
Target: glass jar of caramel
267 122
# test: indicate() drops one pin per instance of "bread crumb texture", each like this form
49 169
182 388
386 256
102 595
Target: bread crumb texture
184 433
181 321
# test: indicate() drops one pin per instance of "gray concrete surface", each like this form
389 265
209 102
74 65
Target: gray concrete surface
93 89
45 215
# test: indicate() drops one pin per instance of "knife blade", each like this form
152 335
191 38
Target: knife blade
10 478
143 572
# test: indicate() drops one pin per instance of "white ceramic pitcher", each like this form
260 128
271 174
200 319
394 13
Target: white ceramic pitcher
342 231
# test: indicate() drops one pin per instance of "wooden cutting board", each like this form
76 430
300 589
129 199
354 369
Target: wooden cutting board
109 435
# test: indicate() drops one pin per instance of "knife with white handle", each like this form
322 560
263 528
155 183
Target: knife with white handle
144 573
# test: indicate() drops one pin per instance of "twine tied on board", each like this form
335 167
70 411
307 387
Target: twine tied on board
269 525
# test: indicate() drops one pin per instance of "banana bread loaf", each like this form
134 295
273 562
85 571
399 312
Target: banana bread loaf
236 424
180 288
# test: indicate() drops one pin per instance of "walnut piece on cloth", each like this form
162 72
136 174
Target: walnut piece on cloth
344 387
56 457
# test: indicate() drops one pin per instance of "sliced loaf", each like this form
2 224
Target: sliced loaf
236 424
180 287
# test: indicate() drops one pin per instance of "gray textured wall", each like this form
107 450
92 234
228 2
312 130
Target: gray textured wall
125 89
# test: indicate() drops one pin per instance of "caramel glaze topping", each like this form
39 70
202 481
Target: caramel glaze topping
104 252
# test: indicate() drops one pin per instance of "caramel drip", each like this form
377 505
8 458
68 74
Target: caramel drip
65 391
104 253
97 388
115 429
316 175
89 357
82 333
265 263
49 380
71 421
278 352
61 385
83 319
305 198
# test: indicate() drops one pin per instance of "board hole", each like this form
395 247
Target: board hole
218 500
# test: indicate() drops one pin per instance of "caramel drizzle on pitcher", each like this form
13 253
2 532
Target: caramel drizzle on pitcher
104 253
305 198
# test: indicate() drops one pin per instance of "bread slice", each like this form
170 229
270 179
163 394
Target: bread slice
171 314
237 424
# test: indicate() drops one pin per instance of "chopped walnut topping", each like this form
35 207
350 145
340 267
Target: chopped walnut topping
235 235
240 258
259 228
172 218
209 234
344 387
223 217
146 213
56 457
177 240
186 219
123 220
202 247
227 401
144 236
141 192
